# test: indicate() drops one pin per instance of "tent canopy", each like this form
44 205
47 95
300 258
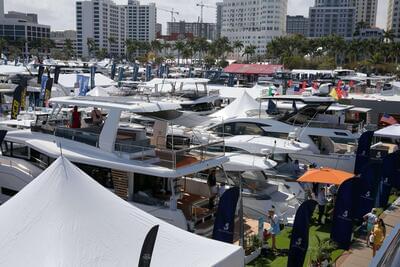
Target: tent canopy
65 218
392 131
237 108
325 176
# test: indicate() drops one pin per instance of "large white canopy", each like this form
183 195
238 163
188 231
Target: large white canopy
65 218
392 131
237 108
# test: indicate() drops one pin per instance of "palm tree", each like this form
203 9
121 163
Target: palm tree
47 44
388 36
238 46
156 46
179 46
249 50
92 47
68 48
3 45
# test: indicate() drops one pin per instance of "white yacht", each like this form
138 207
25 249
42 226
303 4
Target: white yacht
332 142
139 169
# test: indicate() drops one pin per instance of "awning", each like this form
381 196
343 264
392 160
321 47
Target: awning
252 69
325 176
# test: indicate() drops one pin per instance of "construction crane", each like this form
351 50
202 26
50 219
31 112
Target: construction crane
172 12
202 6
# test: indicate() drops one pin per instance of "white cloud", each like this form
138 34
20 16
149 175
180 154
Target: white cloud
60 14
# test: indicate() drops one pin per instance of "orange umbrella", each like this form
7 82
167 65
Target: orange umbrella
325 176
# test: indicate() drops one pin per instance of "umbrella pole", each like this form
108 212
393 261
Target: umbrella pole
241 223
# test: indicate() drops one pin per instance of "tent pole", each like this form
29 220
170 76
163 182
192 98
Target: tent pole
241 224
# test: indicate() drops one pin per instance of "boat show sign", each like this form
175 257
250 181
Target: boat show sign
19 95
343 214
300 234
148 247
225 220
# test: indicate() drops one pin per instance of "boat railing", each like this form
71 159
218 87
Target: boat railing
15 165
169 158
352 127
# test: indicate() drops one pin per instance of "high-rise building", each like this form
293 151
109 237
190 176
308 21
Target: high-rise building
329 17
297 25
197 29
366 11
253 22
219 19
141 21
393 20
102 24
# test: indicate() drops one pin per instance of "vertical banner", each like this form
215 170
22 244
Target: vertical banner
135 72
92 77
148 247
368 188
57 71
224 223
388 178
83 85
120 74
47 92
342 225
148 72
300 234
363 150
113 70
231 80
16 103
40 74
43 90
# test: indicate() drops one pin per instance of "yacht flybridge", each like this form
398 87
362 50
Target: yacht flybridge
139 169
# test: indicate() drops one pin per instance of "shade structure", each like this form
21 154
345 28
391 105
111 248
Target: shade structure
65 218
325 176
392 131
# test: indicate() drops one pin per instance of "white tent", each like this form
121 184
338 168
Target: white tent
238 108
98 91
392 131
65 218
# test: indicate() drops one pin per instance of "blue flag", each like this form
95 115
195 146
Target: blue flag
43 90
300 234
120 74
92 77
368 188
342 225
83 85
231 80
148 72
225 221
135 72
363 150
113 70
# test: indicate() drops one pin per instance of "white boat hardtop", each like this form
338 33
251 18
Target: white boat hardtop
119 103
260 144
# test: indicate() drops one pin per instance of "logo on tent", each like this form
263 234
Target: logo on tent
299 241
226 227
345 214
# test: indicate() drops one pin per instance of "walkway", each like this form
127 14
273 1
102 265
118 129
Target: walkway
359 254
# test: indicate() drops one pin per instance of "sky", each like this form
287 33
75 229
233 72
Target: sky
60 14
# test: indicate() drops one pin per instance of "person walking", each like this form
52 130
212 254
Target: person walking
321 199
273 220
378 233
370 218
